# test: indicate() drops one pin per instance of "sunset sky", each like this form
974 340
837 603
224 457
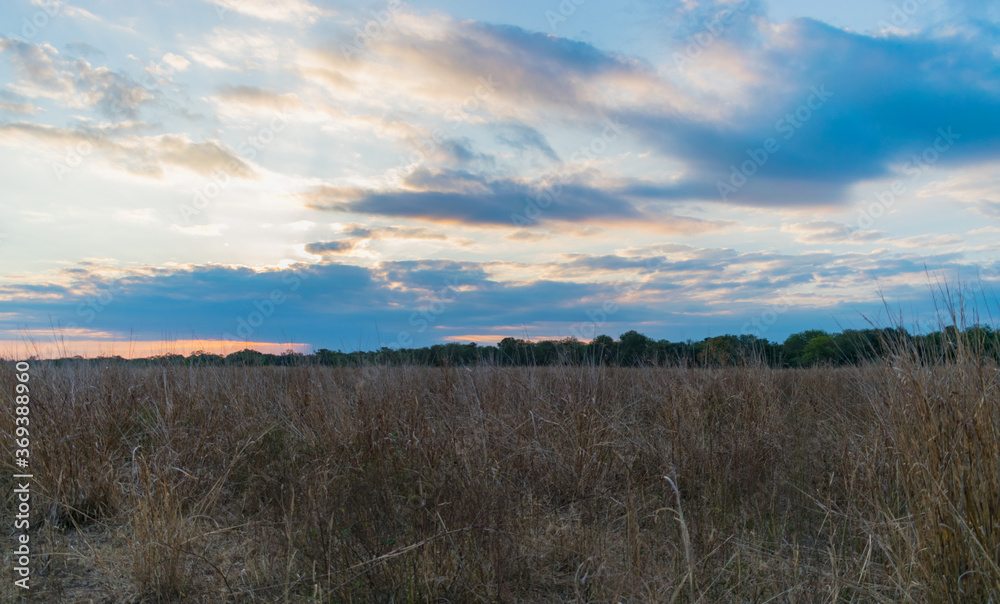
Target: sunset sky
204 174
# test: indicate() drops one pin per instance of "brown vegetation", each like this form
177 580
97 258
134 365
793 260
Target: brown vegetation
394 484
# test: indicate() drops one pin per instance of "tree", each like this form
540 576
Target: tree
600 349
796 343
721 350
246 356
512 351
633 347
604 341
819 349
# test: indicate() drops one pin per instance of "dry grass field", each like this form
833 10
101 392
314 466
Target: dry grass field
876 483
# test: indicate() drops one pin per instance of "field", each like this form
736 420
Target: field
876 483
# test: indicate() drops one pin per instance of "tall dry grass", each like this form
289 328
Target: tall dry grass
585 484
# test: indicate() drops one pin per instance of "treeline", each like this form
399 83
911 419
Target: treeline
804 349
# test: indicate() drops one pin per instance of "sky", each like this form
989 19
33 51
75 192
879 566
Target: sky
295 174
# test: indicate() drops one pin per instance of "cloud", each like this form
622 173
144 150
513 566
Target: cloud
259 98
990 208
38 66
392 232
454 196
84 49
665 288
176 62
369 233
428 276
209 60
236 49
205 158
141 155
324 248
865 116
44 73
712 22
523 137
11 102
829 232
527 236
513 70
213 298
493 204
358 236
286 11
891 102
461 152
834 124
19 108
929 241
61 8
504 108
460 197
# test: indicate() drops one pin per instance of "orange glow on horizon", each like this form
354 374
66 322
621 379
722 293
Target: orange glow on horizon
52 349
